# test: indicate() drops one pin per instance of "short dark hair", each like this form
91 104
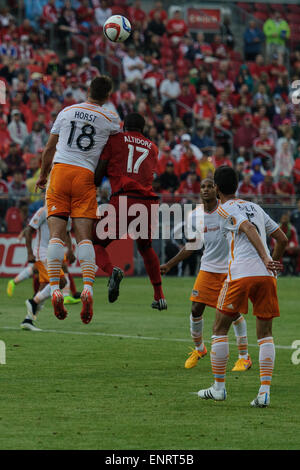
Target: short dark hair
226 179
134 122
100 88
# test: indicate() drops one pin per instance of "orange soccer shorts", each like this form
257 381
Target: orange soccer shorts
207 288
43 272
71 192
261 290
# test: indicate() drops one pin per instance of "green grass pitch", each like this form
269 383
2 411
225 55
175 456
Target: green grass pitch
120 383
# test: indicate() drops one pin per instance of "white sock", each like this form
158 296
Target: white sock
43 295
196 329
219 356
66 289
55 258
266 363
86 256
26 273
240 331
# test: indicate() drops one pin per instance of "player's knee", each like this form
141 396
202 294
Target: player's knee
197 309
62 282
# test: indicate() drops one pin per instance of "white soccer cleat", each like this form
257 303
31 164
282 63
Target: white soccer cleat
29 325
212 394
261 401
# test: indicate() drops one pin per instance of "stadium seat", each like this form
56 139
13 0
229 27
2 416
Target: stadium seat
118 10
261 15
278 7
13 220
293 18
294 8
261 7
245 6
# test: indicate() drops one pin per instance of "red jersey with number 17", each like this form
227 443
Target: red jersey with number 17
132 160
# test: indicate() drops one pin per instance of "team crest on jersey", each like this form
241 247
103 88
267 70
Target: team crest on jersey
195 293
232 220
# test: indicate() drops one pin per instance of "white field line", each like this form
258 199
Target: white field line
120 335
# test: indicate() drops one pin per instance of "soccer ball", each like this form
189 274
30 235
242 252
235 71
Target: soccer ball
117 28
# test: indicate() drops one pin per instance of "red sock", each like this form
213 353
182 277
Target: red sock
152 267
72 284
103 259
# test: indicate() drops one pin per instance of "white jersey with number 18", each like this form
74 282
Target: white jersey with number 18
83 131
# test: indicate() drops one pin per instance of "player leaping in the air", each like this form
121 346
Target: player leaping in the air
77 138
37 257
212 274
251 275
129 160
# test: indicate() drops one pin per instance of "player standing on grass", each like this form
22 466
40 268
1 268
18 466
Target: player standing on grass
251 275
212 274
129 160
77 138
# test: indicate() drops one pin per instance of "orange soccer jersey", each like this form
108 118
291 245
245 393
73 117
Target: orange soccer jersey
207 288
261 290
71 192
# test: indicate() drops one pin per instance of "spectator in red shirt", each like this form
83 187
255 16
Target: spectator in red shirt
257 67
85 13
219 49
204 108
176 27
219 159
285 190
137 16
190 186
275 70
3 197
187 158
246 189
158 8
267 189
164 159
50 13
245 134
292 250
264 148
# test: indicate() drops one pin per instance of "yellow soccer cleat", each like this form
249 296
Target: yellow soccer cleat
195 355
70 300
10 288
242 364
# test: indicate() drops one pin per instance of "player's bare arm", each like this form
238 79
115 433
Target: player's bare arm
181 256
28 234
47 159
281 244
254 238
100 172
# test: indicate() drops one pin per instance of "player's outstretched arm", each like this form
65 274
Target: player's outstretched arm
181 256
254 238
28 234
47 159
281 244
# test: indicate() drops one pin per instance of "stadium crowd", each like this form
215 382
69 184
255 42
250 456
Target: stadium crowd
205 104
